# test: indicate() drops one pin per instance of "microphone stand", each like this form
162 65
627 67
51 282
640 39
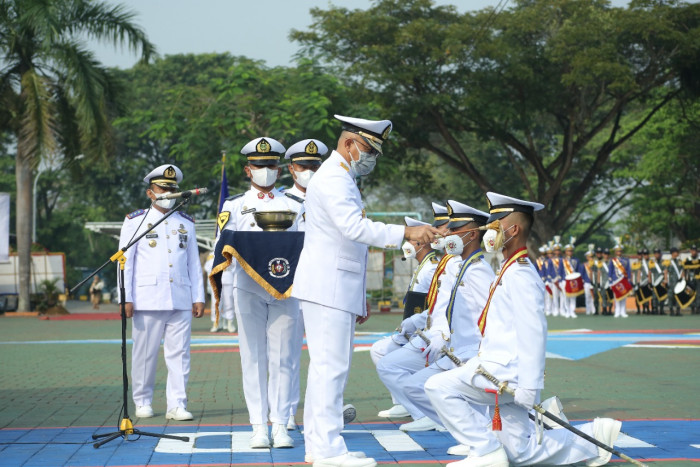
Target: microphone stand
126 426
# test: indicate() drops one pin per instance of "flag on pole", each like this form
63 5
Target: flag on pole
223 193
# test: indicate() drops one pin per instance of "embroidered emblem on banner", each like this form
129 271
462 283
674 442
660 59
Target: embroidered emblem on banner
278 267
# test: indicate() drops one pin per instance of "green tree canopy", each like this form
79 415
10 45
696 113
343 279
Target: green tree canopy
550 82
56 98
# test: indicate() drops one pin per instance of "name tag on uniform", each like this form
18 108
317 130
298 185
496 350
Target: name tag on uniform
246 211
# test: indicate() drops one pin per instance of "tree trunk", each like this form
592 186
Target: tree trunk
23 229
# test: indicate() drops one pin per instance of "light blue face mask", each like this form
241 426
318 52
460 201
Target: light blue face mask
365 164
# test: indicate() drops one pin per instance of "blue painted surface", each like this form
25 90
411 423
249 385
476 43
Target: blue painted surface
670 440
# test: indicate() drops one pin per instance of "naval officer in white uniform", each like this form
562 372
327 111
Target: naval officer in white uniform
164 289
265 324
461 297
419 283
304 158
514 333
330 281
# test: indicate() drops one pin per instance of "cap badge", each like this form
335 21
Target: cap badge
263 146
385 135
169 172
311 148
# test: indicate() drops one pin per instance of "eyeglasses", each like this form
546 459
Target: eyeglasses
372 151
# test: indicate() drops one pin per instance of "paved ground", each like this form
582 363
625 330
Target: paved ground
61 382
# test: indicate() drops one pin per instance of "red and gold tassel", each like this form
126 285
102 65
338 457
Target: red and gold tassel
496 424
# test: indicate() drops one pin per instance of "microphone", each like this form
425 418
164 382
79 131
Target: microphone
184 194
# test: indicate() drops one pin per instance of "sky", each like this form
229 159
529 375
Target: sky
257 29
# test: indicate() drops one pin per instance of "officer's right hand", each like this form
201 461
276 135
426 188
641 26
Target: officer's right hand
421 233
129 309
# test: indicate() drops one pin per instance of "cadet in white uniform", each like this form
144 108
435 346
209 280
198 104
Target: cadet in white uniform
420 283
461 297
304 159
265 325
514 332
330 281
226 307
164 289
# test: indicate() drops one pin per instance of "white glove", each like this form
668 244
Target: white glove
525 397
434 351
408 327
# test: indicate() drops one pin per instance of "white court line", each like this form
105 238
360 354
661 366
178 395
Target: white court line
626 441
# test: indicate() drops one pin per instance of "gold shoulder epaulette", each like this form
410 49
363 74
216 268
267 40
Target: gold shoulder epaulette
666 263
434 260
523 260
636 266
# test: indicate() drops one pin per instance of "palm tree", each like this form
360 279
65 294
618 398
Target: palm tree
55 97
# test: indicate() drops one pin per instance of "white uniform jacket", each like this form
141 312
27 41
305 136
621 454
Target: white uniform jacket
470 298
241 219
162 270
332 266
445 283
513 346
297 197
423 276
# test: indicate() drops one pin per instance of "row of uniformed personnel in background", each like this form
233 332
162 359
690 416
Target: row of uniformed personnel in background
653 280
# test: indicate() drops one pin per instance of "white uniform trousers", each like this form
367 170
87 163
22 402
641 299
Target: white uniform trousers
588 293
395 369
297 344
226 308
621 308
556 300
548 299
147 330
266 333
329 336
570 309
460 404
564 307
379 349
414 387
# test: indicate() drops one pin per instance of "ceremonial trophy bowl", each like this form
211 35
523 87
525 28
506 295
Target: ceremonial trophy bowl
274 221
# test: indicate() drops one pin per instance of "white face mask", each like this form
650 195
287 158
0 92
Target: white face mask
166 203
264 177
493 239
454 244
302 178
409 251
438 244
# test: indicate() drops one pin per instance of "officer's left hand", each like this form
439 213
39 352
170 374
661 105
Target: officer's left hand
362 319
198 309
434 351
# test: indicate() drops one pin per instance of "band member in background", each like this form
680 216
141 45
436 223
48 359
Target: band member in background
658 276
674 274
692 276
619 268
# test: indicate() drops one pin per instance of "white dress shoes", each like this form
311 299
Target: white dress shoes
497 458
459 450
396 411
422 424
143 411
309 458
230 327
292 423
346 460
349 413
179 414
605 430
259 439
280 438
215 328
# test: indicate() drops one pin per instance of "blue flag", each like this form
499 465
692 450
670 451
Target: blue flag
223 193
